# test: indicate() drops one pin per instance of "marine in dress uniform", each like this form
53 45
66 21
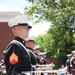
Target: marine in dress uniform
17 58
43 61
68 63
36 50
30 43
72 62
43 57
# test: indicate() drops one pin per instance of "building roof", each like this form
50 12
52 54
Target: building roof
6 16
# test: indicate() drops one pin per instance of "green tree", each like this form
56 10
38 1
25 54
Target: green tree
60 38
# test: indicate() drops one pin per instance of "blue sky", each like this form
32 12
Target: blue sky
18 5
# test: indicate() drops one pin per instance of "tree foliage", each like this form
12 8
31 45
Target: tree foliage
60 38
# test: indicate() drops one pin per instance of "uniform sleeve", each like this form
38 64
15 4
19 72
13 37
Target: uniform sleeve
71 62
13 60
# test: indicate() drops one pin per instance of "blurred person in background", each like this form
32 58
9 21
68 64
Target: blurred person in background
72 63
68 63
30 44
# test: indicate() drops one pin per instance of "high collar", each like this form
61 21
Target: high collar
20 40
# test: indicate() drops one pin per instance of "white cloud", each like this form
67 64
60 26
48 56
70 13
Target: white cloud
4 8
39 28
